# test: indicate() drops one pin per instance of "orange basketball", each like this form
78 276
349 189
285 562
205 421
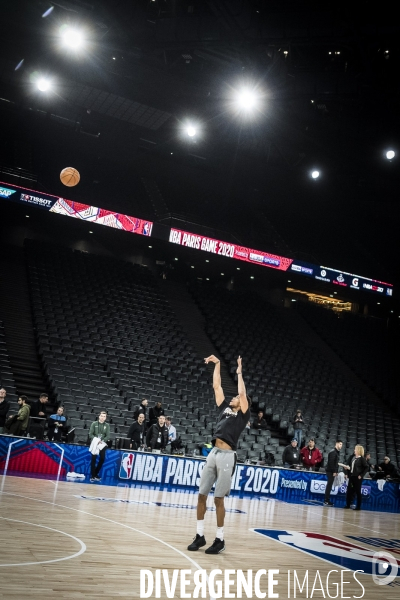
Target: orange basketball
70 176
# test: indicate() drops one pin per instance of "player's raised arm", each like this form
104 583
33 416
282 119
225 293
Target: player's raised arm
219 394
244 404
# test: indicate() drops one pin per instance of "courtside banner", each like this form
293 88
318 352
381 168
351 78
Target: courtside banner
77 210
165 472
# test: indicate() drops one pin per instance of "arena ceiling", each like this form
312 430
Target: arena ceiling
328 77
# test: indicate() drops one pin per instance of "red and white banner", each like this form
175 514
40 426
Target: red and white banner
201 242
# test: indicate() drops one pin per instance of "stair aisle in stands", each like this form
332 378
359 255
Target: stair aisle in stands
193 324
15 311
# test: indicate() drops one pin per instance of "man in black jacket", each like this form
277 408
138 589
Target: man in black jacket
155 412
38 408
136 433
331 469
141 409
4 408
386 469
291 455
157 435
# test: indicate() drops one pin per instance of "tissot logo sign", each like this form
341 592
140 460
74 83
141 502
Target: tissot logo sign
38 200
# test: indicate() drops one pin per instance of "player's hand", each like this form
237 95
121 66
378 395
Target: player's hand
334 474
211 358
239 367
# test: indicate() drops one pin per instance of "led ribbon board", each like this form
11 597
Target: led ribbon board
77 210
281 263
341 278
200 242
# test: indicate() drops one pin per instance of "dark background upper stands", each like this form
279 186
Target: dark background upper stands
107 336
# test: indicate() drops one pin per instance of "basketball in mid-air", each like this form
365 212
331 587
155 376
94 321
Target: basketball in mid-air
70 176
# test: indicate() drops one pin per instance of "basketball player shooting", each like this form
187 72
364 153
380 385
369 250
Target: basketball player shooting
221 462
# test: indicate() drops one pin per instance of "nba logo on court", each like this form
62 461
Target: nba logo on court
125 470
345 555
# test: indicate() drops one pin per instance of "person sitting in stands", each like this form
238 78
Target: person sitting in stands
386 469
155 412
38 408
57 425
311 456
136 433
17 424
259 422
4 408
157 435
291 456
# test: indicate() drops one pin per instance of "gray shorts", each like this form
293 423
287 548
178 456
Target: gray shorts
219 468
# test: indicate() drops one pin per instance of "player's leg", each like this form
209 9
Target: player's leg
207 480
226 464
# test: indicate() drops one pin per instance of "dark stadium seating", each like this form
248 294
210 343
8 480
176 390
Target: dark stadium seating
6 375
107 338
362 342
283 373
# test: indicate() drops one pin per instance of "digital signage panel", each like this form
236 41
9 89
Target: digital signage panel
342 278
265 259
101 216
77 210
201 242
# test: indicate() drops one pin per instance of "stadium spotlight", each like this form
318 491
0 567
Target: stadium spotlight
247 99
191 131
390 154
315 174
72 38
43 84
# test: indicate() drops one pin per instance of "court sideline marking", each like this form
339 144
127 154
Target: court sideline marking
110 521
42 562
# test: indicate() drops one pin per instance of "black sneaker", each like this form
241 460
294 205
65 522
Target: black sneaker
97 478
217 547
198 542
92 480
328 503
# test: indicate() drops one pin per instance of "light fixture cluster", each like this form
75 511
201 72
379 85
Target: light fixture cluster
246 98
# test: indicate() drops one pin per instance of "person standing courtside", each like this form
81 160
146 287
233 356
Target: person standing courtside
136 433
358 469
331 470
221 461
101 430
4 408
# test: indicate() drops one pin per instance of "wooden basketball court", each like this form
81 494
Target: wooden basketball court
74 540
